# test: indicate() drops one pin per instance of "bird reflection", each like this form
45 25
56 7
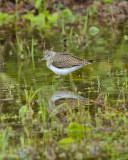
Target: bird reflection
64 99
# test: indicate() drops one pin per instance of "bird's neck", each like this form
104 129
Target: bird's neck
50 60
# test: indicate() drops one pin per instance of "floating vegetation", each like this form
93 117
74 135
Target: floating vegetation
81 116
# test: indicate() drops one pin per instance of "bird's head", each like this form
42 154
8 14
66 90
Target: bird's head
48 55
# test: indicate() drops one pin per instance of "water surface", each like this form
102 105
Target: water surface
35 104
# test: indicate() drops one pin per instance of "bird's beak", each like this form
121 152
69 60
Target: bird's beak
42 58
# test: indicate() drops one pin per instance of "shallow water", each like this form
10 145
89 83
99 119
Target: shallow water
33 101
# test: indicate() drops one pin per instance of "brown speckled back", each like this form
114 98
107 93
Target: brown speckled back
64 60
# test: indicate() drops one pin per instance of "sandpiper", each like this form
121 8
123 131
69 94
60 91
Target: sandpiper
63 63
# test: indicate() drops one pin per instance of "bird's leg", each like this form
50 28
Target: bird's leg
56 78
72 84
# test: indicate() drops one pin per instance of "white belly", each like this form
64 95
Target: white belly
63 71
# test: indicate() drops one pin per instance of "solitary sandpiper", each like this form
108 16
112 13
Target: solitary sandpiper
63 63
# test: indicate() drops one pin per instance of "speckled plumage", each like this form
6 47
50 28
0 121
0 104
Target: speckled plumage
63 63
64 60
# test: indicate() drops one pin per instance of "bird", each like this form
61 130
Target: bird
63 63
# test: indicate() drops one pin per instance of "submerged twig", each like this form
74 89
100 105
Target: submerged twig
4 100
95 102
103 105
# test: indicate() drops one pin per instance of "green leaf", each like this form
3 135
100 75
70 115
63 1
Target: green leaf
38 3
67 16
24 111
65 142
5 18
93 31
76 131
108 1
38 21
3 15
53 19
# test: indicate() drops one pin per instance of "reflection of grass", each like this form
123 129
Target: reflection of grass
86 131
27 111
32 54
85 23
4 137
20 49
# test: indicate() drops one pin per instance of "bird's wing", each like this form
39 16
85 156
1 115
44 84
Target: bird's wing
65 60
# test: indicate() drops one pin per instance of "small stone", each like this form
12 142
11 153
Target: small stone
62 155
78 156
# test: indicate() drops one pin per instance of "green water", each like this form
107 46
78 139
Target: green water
36 107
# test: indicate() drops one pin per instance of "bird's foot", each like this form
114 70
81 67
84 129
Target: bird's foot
57 77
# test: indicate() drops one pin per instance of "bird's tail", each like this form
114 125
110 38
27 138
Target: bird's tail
91 61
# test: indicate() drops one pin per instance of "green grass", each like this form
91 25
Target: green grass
32 54
94 126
